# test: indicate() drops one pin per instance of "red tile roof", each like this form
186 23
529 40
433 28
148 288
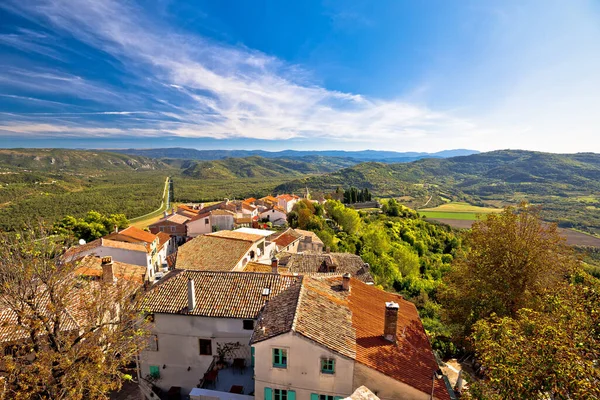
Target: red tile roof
218 294
248 237
92 266
212 253
352 324
162 239
138 234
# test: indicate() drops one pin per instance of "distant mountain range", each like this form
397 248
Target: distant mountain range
358 156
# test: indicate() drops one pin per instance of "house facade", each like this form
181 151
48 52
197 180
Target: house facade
275 215
174 225
197 313
336 334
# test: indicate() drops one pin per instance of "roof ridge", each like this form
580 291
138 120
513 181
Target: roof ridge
298 302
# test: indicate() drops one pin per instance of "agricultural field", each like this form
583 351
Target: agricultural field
457 210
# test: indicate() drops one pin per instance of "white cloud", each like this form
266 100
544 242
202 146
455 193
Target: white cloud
231 91
536 85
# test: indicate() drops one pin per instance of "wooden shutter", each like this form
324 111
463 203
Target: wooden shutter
314 396
268 393
291 395
252 353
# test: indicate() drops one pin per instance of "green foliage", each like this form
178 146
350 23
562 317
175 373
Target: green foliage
513 258
92 226
547 353
566 185
405 253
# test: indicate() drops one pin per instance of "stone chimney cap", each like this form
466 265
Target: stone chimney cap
107 260
391 305
347 275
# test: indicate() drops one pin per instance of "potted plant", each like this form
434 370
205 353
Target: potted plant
224 351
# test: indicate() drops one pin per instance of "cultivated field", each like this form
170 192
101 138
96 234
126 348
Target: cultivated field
457 211
574 238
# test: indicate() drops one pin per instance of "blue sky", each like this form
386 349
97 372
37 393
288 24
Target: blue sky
391 75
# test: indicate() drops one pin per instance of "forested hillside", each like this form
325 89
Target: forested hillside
258 167
566 185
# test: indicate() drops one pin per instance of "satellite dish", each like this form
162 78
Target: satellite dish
81 241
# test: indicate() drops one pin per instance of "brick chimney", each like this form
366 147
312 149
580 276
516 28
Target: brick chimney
346 281
274 265
391 321
108 272
191 295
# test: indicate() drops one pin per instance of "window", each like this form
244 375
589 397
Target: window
248 324
315 396
327 366
161 228
280 358
172 228
152 343
279 394
206 221
205 347
155 371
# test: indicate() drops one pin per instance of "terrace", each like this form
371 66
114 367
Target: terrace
226 381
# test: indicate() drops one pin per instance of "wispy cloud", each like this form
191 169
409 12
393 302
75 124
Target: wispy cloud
534 79
222 91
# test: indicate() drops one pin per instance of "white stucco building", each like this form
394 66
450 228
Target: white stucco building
197 312
327 337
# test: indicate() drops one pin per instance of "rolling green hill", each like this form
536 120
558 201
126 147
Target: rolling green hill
567 186
258 167
55 160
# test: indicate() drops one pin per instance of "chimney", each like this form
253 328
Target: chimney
346 281
191 295
165 214
173 211
327 249
391 321
274 264
108 272
116 228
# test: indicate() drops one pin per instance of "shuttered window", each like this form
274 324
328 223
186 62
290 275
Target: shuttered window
280 358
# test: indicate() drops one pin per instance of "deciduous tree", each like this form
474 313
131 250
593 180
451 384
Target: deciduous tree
64 337
549 353
512 260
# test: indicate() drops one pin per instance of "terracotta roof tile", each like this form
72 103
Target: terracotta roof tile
218 294
351 323
138 234
248 237
411 360
178 219
303 233
162 239
92 266
339 263
212 253
124 245
264 268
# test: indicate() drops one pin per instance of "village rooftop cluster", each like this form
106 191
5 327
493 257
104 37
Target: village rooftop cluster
243 307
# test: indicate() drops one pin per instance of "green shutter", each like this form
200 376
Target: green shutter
338 398
252 352
314 396
154 371
268 393
291 395
274 359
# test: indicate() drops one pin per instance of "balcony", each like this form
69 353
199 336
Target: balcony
233 381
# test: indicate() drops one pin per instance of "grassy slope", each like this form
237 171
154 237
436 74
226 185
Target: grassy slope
554 181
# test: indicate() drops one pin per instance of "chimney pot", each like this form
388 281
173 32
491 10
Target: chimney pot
346 281
274 265
108 272
191 295
391 321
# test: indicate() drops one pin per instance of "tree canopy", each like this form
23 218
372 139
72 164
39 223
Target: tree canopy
92 226
513 258
63 336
